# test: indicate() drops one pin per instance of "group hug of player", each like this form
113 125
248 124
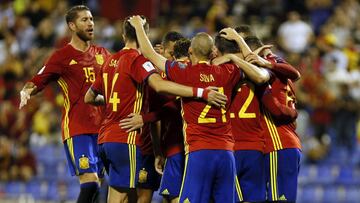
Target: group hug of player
227 133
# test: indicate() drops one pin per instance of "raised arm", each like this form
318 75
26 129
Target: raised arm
231 34
286 70
254 73
145 46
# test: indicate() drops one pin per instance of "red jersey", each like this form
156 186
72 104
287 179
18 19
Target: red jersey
122 83
74 71
205 126
152 102
245 117
280 134
172 139
145 137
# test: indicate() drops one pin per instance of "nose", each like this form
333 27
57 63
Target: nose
90 23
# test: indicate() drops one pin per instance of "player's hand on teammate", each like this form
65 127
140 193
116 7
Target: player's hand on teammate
132 122
159 164
229 34
137 21
25 96
259 51
214 97
256 59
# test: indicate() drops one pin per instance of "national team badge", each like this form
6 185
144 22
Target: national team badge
143 176
99 59
84 162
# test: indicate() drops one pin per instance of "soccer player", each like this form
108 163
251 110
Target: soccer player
168 43
247 131
74 67
207 131
121 82
245 118
152 182
149 179
171 139
282 144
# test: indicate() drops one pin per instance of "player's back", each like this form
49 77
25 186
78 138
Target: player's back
207 127
245 118
123 87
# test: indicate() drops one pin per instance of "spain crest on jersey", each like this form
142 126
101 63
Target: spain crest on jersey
84 162
99 59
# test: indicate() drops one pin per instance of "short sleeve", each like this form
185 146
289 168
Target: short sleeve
176 71
51 71
142 69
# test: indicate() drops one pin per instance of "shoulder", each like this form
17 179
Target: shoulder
59 55
99 49
63 53
178 64
228 67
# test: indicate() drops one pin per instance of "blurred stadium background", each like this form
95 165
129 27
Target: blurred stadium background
322 42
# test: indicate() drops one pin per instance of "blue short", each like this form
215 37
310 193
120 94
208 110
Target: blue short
251 176
122 163
172 176
208 175
282 169
148 177
82 155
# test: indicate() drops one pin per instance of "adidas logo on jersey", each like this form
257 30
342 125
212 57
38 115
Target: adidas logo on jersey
165 192
72 62
282 197
186 200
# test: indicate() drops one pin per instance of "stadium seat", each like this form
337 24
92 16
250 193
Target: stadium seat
72 191
352 194
15 187
327 174
311 193
345 176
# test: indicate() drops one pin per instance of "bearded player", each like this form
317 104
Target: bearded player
74 67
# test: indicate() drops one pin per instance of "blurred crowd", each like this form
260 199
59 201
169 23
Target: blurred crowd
319 37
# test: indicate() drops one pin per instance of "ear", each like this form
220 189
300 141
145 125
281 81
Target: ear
72 26
190 50
123 36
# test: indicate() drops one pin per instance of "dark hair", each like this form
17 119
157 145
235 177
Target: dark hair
226 46
181 48
171 36
129 30
71 14
246 29
253 42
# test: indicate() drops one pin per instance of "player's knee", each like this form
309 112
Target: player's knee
144 195
174 200
88 177
122 194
